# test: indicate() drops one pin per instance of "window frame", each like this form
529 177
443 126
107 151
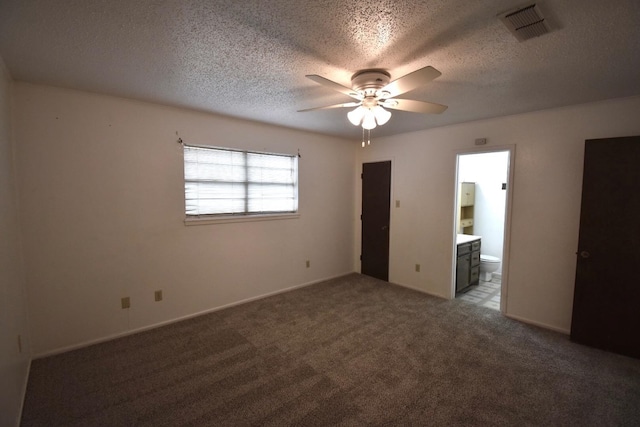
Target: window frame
244 216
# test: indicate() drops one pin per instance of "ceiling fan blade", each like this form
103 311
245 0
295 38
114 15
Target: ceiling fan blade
335 86
414 106
411 81
346 105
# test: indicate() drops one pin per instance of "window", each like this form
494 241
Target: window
220 181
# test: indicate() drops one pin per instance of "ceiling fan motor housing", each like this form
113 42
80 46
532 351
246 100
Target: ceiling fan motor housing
370 81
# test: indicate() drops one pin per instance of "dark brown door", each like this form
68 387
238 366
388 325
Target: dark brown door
376 193
606 306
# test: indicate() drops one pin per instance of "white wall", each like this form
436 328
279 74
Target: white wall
488 171
102 197
14 365
546 201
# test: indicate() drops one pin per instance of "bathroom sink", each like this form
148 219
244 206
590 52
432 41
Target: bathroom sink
466 238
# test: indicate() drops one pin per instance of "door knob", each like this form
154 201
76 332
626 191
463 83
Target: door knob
585 254
384 227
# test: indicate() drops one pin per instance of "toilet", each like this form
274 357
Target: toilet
488 264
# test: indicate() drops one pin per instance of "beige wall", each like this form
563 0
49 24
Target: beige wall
100 181
14 365
102 198
546 194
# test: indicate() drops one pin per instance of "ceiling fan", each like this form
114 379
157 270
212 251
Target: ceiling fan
373 93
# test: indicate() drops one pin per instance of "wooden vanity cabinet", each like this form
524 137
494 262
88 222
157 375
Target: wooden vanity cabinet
467 265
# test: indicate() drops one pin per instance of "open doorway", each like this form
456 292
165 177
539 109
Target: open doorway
482 209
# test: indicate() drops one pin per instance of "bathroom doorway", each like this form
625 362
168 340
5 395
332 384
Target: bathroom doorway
481 226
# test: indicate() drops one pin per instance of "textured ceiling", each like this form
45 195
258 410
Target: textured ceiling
249 58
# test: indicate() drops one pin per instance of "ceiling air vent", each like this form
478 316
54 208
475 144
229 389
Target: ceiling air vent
525 22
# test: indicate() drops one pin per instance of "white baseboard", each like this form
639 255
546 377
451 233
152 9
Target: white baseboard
536 323
179 319
419 290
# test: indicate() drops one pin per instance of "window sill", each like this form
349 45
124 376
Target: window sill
235 218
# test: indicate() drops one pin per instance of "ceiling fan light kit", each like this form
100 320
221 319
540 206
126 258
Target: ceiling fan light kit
369 117
374 94
382 115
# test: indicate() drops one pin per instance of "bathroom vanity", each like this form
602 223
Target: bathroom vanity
467 261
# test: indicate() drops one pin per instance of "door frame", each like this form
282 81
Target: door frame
358 207
511 149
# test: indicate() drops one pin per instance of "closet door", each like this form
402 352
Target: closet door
606 306
376 214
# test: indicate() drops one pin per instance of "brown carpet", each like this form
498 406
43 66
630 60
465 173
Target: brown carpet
350 351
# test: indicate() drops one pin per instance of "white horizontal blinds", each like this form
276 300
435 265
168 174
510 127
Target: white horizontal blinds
272 183
219 181
214 181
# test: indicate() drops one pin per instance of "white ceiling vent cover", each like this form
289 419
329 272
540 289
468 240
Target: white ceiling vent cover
525 22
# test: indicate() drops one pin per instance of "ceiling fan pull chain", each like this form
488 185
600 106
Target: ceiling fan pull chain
362 137
369 137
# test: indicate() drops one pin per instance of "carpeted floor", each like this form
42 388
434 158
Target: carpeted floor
350 351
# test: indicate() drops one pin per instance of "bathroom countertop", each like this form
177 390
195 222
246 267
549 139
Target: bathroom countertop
466 238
